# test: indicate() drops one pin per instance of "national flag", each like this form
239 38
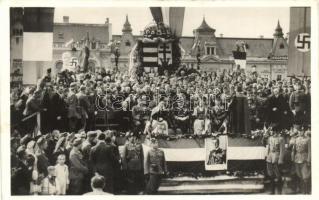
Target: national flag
171 16
240 59
150 54
299 42
165 54
38 34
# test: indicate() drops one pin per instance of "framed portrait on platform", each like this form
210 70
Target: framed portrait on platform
216 149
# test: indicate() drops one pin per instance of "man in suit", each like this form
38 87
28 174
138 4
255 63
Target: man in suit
103 160
275 109
78 168
58 109
155 167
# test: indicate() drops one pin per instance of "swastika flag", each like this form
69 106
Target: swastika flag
299 42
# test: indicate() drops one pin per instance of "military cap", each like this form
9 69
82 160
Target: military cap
91 134
77 142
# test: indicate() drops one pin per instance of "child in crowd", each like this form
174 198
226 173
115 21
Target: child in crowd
50 185
62 173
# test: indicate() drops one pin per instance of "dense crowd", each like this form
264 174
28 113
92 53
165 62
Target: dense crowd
56 125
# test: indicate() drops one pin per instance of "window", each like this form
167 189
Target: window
61 36
281 46
210 51
17 40
127 43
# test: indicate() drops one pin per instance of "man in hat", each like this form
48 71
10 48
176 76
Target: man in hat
83 106
301 155
103 160
86 150
33 105
42 159
133 161
78 168
298 103
275 158
73 108
58 109
155 167
20 181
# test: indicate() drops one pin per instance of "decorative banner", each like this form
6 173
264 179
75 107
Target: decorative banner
38 34
171 16
165 54
176 20
299 42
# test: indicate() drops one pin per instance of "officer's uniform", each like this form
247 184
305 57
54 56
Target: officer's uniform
155 168
301 155
133 165
275 156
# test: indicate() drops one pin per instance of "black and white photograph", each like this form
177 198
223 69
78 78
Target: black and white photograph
216 149
160 100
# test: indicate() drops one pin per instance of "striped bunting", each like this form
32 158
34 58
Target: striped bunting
189 154
150 55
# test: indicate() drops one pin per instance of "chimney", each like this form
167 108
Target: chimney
65 19
261 36
221 35
107 20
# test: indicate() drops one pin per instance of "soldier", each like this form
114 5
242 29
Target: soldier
301 155
78 169
274 158
155 167
133 161
298 104
86 149
73 108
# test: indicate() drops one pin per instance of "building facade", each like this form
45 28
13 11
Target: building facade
269 55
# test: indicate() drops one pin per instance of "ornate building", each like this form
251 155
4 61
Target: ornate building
269 55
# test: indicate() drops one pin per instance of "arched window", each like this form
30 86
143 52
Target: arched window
281 46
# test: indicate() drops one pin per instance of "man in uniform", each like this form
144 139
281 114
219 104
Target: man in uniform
78 168
155 167
133 161
298 104
86 149
274 158
73 108
301 155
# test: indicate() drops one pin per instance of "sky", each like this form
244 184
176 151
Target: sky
231 22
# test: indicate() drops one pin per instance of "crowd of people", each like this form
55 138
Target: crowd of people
58 126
